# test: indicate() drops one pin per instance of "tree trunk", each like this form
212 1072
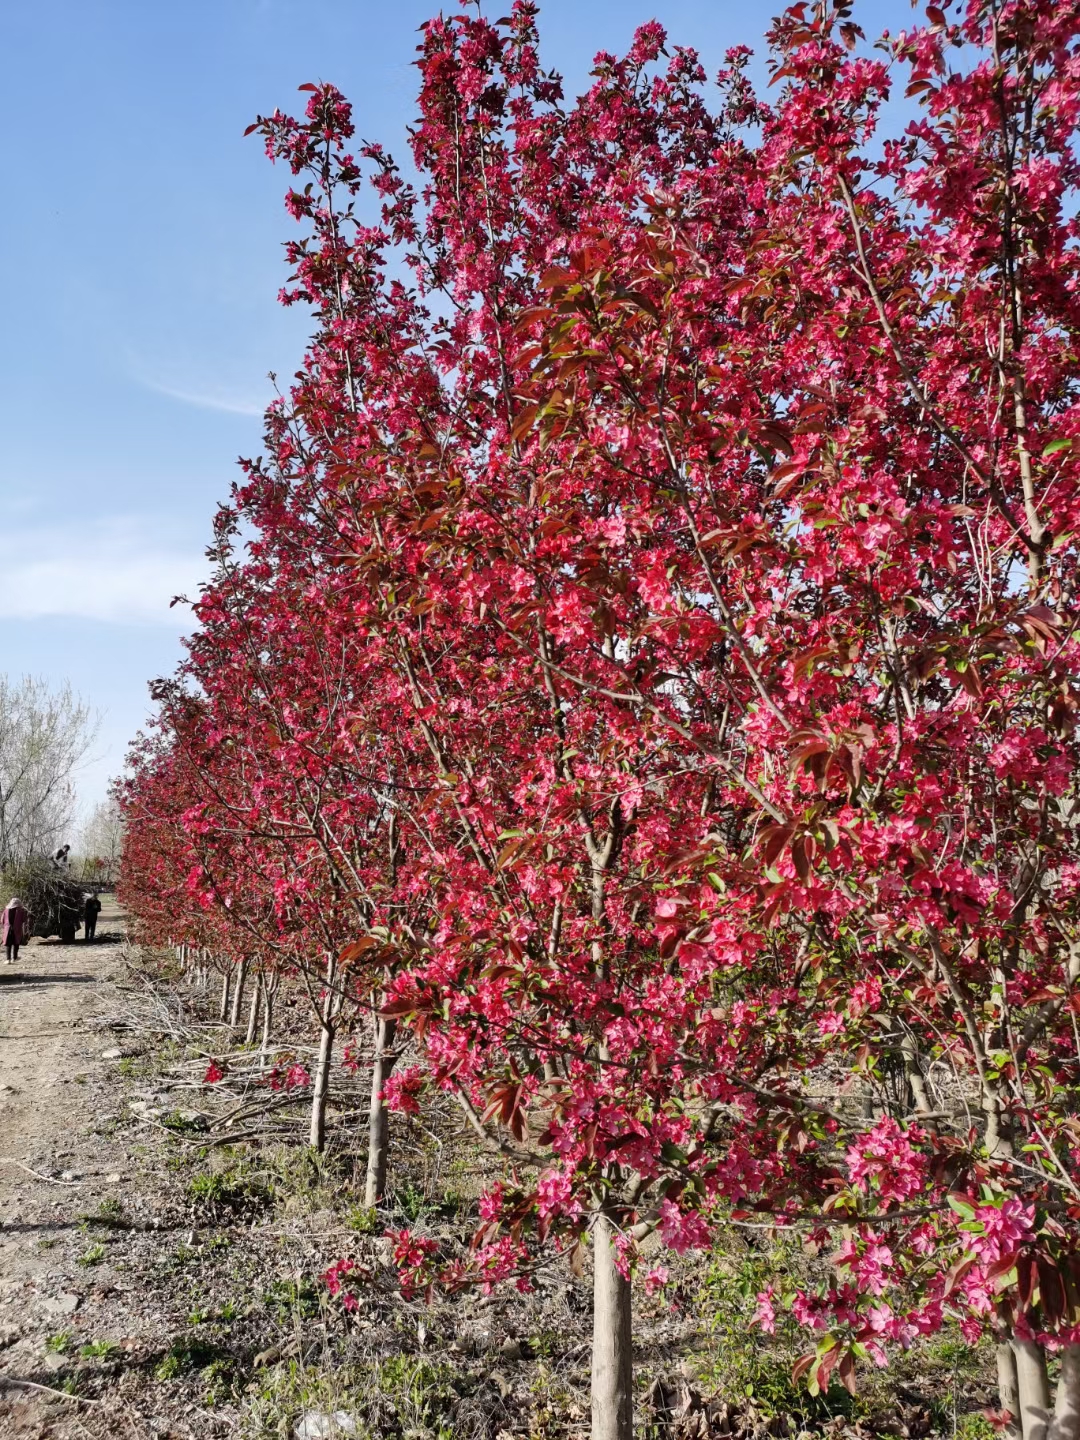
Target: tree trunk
378 1119
223 1013
612 1356
253 1012
1034 1388
1065 1424
1008 1391
238 993
320 1090
268 1018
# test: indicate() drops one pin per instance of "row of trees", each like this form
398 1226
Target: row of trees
643 664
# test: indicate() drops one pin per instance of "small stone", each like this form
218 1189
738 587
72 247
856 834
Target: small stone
319 1425
384 1250
67 1302
114 1054
512 1349
113 1179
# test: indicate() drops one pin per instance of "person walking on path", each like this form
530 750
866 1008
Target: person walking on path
91 910
14 922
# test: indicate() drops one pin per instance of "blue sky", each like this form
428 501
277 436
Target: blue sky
141 259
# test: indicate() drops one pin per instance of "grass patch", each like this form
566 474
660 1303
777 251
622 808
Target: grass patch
287 1299
403 1395
187 1354
236 1194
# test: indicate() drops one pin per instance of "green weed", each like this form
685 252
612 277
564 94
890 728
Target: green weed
97 1350
186 1355
289 1298
974 1426
364 1219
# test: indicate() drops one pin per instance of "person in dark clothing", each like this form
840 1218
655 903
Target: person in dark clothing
91 910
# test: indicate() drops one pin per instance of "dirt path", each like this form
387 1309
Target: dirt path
54 1067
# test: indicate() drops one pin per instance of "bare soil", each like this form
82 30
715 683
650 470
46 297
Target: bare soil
59 1160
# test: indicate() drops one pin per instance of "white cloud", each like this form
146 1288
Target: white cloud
101 570
216 399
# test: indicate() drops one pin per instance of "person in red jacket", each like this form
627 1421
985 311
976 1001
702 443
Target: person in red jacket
14 922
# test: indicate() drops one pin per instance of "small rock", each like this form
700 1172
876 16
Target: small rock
113 1179
512 1349
69 1175
318 1425
53 1362
114 1054
66 1303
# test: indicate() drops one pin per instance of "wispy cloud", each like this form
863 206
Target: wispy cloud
101 570
217 399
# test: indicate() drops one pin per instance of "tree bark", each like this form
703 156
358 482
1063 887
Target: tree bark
378 1119
612 1355
1033 1384
321 1087
1008 1390
223 1013
1065 1424
253 1012
238 993
268 1019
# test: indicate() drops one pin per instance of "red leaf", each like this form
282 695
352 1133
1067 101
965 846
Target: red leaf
801 1366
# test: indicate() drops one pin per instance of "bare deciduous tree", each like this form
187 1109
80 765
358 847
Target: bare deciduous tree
101 841
44 735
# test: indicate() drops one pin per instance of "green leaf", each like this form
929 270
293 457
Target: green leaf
962 1208
1055 446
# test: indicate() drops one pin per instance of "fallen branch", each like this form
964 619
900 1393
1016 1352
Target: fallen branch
48 1390
10 1160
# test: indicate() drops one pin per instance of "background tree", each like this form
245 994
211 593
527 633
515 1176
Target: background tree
44 736
101 841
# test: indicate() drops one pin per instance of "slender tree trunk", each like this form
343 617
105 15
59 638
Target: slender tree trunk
268 1018
223 1013
1065 1424
378 1119
1008 1390
1033 1384
321 1087
253 1012
612 1356
238 993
